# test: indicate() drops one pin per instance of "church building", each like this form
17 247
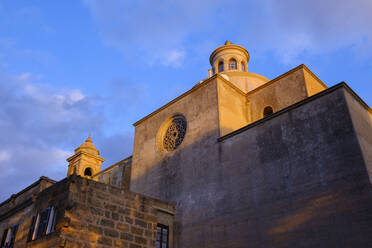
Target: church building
238 161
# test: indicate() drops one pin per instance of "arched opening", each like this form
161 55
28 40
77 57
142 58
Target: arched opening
267 111
220 66
242 66
88 172
233 65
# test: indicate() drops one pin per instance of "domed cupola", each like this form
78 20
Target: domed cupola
231 61
229 57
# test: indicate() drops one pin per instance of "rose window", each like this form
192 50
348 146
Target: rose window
175 133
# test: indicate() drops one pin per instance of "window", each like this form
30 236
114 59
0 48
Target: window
162 236
243 66
9 237
43 223
267 111
88 172
220 66
233 65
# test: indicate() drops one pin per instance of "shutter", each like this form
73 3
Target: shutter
54 219
43 222
12 238
4 238
32 228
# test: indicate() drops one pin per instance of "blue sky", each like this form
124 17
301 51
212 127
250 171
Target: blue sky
70 68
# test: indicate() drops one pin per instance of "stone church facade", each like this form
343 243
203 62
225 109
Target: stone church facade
237 161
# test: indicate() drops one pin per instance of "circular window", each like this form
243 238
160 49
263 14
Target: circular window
172 133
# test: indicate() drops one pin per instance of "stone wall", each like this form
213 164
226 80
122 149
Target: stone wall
296 179
117 175
105 216
91 214
44 193
362 121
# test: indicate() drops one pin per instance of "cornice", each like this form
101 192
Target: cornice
84 153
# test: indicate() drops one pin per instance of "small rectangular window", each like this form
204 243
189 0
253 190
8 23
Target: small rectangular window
162 236
43 223
9 237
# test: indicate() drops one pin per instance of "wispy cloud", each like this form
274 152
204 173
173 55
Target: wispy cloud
157 30
160 30
293 28
41 126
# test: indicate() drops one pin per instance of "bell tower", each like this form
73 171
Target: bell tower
86 161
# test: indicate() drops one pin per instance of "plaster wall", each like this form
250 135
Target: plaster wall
278 93
313 84
232 108
246 81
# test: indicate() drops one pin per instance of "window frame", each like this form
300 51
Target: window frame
162 227
9 236
221 65
242 66
42 226
233 64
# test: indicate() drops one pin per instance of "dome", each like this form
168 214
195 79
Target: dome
231 62
88 147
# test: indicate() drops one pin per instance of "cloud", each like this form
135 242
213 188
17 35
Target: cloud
155 31
159 31
293 28
41 125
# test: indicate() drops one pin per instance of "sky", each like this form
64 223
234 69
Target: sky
77 67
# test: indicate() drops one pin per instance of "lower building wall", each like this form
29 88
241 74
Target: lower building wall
109 217
91 214
296 180
362 121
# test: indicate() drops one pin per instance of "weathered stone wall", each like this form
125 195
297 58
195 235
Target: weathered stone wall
106 216
296 179
117 175
43 194
187 176
161 174
91 214
362 121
